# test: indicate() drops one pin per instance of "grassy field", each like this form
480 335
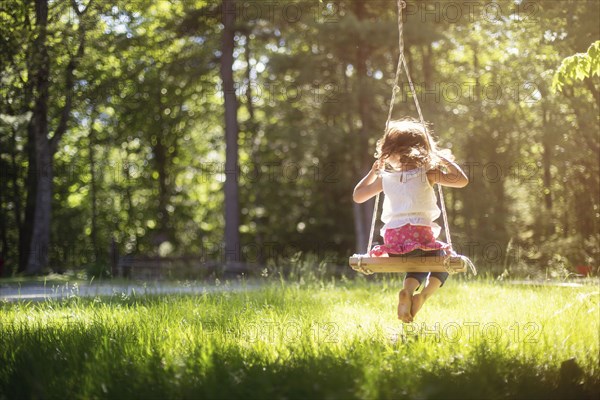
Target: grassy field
338 339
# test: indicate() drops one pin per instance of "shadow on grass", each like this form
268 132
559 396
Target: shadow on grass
323 377
219 376
493 377
123 371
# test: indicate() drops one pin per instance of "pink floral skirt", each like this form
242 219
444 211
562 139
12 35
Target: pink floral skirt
407 238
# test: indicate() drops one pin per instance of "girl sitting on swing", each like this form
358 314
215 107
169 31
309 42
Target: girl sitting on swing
414 164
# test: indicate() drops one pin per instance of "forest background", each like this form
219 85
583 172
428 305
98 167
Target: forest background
113 127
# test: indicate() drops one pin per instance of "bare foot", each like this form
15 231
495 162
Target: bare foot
417 303
404 306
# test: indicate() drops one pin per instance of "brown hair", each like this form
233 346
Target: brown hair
407 138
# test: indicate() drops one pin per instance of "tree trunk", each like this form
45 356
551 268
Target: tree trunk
16 198
546 159
428 69
3 216
232 218
40 237
363 213
46 147
93 200
475 211
360 227
26 221
548 226
252 127
160 158
129 201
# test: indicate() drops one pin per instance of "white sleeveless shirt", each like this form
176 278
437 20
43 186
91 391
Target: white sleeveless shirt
409 199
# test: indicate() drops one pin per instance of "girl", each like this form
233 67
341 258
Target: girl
405 170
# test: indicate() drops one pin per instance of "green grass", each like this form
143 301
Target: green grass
321 340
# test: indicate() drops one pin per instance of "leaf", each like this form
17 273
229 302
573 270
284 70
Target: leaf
558 82
594 55
581 68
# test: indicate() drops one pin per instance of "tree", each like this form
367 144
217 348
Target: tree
45 145
232 238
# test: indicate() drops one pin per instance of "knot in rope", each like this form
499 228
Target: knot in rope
360 268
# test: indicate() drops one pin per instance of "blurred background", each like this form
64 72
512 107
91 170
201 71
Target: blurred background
236 130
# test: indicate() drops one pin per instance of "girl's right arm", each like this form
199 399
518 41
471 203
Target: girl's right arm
368 186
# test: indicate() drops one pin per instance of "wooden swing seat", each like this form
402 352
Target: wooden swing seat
369 265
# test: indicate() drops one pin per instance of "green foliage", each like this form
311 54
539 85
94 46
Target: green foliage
578 67
143 159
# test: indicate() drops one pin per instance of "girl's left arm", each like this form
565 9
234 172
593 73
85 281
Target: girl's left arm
453 177
370 185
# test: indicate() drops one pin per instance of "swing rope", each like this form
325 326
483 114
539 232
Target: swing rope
402 63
